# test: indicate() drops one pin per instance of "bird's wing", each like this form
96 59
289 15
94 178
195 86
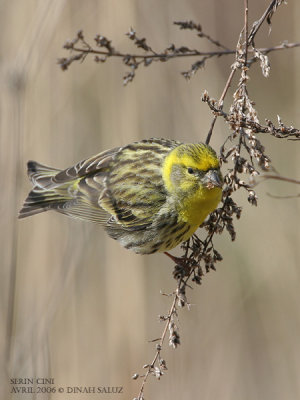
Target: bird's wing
134 188
122 187
98 163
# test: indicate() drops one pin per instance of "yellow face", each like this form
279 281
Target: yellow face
192 175
189 166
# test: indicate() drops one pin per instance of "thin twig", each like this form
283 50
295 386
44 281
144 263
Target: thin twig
246 31
266 15
229 80
220 104
284 45
161 342
189 53
80 49
277 178
274 196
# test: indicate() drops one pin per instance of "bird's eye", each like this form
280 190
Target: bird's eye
190 170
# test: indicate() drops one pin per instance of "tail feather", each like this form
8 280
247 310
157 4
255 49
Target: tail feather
73 197
41 175
43 196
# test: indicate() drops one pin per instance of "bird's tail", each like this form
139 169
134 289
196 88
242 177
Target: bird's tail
46 193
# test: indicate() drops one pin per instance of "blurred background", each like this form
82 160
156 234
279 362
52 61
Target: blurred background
75 306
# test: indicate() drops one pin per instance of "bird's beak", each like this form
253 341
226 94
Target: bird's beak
213 178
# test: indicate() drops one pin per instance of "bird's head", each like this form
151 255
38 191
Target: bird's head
191 168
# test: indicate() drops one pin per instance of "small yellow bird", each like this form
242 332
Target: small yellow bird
150 195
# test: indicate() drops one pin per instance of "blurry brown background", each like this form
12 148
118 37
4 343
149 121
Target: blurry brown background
77 307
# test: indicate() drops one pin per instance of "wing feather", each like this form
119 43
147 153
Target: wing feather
121 188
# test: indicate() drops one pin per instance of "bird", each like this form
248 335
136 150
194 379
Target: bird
150 195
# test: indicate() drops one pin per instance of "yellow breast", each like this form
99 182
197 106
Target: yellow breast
196 207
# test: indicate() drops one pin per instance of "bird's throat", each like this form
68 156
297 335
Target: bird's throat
193 209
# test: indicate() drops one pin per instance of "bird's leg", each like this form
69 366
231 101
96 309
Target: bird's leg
177 260
182 267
